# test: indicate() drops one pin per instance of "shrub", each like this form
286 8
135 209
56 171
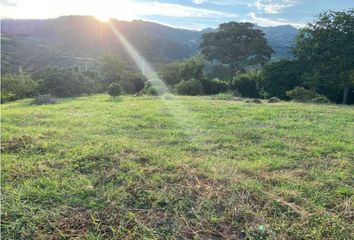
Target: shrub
300 94
114 90
44 99
246 84
192 87
256 100
17 86
215 86
152 91
321 100
273 100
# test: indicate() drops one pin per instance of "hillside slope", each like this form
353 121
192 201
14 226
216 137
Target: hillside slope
35 44
146 168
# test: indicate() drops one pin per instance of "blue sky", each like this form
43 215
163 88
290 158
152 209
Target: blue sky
191 14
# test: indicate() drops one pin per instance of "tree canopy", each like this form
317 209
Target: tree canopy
327 45
237 44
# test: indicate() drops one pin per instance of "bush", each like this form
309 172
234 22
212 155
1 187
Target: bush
273 100
17 86
300 94
44 99
321 100
152 91
246 84
114 90
215 86
192 87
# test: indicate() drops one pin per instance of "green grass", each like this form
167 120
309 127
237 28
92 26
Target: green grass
147 168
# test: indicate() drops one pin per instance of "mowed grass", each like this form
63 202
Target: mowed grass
176 168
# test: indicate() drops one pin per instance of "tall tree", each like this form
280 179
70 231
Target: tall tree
327 45
238 45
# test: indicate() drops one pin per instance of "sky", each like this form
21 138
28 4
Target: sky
190 14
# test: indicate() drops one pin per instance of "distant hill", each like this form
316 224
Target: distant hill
81 40
280 38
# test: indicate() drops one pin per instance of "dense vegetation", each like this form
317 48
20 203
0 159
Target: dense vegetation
234 58
235 54
143 168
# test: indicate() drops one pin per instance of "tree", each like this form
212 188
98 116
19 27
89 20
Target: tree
246 84
111 68
173 73
114 89
277 78
191 87
17 86
66 82
327 45
214 86
114 69
238 45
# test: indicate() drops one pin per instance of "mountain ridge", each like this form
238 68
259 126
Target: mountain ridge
34 44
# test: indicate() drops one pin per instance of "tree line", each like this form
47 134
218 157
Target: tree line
237 58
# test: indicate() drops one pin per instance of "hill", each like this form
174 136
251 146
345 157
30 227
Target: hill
143 168
70 40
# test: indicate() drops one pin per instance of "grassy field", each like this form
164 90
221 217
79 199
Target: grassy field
176 168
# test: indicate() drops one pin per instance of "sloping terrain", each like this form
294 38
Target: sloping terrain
77 40
153 168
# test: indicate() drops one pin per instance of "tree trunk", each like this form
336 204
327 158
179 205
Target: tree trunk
345 95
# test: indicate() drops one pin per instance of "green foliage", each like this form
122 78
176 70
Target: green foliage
327 46
173 73
300 94
214 86
111 69
152 91
114 89
237 44
191 87
66 82
277 78
114 69
220 71
246 84
17 86
320 100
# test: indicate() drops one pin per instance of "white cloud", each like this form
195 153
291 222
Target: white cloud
200 1
273 6
266 22
8 3
176 10
123 9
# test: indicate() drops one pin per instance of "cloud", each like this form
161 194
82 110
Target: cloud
200 1
273 6
176 10
266 22
8 3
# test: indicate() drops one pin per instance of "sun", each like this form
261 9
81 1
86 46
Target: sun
103 17
108 9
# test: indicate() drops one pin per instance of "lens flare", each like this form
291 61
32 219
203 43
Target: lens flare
181 114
